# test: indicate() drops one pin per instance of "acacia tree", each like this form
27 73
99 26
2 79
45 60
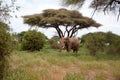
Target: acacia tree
71 20
103 5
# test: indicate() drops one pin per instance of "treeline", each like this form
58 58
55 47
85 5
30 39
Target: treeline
95 42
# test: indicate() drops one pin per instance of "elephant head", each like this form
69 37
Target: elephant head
62 42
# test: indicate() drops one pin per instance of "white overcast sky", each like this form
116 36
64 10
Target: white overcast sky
28 7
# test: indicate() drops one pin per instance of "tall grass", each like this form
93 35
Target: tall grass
50 64
73 76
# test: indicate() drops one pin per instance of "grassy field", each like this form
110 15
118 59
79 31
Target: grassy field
50 64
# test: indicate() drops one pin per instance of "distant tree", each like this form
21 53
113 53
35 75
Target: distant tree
17 39
70 20
102 5
54 42
56 38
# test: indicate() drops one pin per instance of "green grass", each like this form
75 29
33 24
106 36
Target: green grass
50 64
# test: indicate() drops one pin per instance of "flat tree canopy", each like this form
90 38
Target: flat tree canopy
71 20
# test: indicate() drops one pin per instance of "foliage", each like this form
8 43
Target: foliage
72 21
73 2
33 41
20 36
15 41
94 42
114 43
103 5
5 48
100 41
54 42
56 38
7 7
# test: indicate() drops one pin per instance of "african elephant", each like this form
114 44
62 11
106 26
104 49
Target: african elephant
69 43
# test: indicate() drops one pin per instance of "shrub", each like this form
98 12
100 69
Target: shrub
100 41
54 44
94 42
20 36
114 43
5 49
33 41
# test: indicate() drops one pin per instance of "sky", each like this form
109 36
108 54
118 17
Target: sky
29 7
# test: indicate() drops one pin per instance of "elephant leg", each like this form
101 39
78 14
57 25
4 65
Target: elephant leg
74 50
68 48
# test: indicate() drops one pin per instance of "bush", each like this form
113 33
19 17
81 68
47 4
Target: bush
100 41
33 41
20 35
54 44
5 49
94 42
114 43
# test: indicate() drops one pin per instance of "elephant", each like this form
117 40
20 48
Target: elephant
69 43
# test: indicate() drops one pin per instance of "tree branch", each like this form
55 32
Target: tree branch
117 1
94 12
65 33
59 31
68 31
73 30
118 14
109 4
